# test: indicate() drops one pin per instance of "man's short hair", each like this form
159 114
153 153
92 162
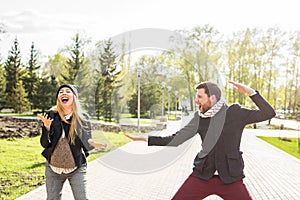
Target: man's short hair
210 89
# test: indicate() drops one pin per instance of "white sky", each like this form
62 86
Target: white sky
51 24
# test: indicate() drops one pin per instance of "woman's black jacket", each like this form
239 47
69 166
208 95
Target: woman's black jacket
50 138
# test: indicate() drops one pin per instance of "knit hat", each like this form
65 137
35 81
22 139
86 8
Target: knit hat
72 87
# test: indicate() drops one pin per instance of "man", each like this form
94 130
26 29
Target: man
218 167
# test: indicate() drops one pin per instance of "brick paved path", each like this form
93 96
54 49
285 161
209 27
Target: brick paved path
270 173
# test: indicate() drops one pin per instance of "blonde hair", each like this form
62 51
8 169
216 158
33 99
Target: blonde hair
77 117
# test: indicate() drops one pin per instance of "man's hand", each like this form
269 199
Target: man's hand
242 88
137 138
97 145
46 121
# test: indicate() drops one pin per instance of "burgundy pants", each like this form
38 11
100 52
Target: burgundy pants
195 188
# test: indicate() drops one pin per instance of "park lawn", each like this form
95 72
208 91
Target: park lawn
22 165
290 147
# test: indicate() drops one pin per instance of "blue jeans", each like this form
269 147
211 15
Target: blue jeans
55 182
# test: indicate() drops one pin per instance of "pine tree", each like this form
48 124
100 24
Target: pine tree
75 62
107 82
2 88
30 77
44 99
52 89
20 101
12 74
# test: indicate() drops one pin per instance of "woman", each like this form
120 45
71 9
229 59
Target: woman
66 137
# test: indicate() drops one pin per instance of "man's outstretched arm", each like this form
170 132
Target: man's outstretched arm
265 111
175 139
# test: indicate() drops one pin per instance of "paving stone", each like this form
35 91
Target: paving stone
270 174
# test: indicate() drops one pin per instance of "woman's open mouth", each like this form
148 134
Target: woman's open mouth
64 100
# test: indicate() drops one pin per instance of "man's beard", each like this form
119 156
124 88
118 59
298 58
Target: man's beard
203 108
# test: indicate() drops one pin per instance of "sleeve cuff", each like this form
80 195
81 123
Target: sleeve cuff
254 93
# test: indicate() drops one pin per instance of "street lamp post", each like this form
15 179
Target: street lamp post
176 93
169 90
139 72
163 84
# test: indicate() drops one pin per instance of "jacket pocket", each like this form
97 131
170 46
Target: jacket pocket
235 163
199 163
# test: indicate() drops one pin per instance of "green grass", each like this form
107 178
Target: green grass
22 165
290 146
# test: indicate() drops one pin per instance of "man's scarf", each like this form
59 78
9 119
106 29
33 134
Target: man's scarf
217 113
213 110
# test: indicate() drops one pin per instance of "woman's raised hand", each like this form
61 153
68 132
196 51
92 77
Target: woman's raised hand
46 121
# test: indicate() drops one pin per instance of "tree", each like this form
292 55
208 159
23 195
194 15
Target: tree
293 78
51 77
107 82
150 96
45 98
19 98
76 61
89 82
54 65
273 42
30 77
245 62
2 88
2 74
240 62
154 71
199 56
206 43
12 74
76 71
